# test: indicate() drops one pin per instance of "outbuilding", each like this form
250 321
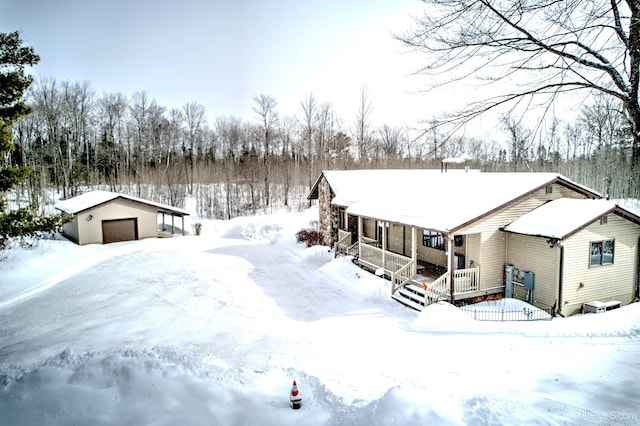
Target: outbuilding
101 217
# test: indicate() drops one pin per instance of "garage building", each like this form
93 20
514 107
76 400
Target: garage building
101 217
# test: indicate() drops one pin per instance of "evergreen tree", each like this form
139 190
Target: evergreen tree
14 82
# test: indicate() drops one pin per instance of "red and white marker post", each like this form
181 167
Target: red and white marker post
295 398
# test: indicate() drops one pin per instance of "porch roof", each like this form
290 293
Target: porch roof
444 202
559 219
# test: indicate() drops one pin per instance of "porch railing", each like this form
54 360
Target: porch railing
466 281
437 290
403 276
371 241
375 257
344 242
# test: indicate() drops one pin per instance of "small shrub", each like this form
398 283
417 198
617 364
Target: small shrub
309 236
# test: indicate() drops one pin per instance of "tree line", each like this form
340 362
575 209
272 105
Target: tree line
75 139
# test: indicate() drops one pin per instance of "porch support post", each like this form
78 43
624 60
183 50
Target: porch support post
182 226
173 228
384 244
451 262
359 237
414 252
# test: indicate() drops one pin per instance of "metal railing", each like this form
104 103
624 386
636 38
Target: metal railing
525 314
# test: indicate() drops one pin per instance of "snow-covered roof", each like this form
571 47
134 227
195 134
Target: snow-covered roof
91 199
561 218
432 199
351 186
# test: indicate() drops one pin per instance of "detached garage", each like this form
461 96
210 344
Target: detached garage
101 217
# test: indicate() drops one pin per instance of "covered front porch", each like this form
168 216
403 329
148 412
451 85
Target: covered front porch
411 283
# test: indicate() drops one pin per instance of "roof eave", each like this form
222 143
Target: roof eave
553 237
558 179
313 193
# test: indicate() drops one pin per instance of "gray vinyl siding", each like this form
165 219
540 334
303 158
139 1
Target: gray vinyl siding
493 241
533 254
583 282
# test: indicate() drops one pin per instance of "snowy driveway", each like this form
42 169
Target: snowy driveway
185 329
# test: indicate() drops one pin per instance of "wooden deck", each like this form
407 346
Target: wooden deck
409 287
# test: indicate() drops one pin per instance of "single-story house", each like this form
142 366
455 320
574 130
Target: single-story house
101 217
463 235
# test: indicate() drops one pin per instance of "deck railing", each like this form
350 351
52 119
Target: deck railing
344 242
437 290
370 242
403 276
466 281
375 257
402 270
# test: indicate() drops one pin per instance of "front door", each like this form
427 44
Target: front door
352 224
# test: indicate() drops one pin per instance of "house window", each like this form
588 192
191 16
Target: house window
549 189
432 239
458 240
602 252
603 220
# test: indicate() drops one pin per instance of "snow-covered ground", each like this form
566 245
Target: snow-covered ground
213 329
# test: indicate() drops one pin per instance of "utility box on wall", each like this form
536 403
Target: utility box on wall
529 280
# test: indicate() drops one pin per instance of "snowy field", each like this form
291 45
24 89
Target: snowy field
213 329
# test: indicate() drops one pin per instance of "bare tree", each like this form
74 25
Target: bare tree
194 117
519 141
110 161
325 132
286 130
266 109
362 131
548 47
390 141
309 125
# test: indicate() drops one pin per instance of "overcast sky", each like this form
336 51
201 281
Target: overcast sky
222 53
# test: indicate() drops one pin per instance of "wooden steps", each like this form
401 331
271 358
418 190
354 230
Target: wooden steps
413 296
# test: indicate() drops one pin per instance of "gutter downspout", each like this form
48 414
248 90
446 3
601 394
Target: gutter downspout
560 279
